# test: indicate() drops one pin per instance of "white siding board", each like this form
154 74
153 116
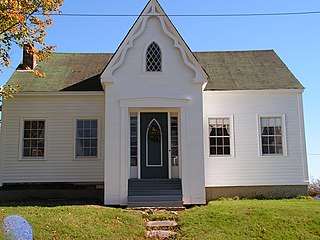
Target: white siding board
59 165
247 167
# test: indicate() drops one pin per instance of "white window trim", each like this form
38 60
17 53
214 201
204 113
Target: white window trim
232 139
283 132
144 59
21 157
86 158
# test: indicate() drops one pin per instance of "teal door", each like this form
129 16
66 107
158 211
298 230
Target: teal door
154 145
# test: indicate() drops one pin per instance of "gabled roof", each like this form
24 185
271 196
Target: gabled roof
246 70
230 70
64 72
154 10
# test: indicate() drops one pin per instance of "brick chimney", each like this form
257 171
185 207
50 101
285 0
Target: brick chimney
29 58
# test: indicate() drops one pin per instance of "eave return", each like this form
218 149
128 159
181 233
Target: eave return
154 193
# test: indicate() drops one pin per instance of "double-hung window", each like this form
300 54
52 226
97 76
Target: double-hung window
219 137
33 139
87 138
271 136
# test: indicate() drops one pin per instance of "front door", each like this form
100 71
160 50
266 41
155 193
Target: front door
154 145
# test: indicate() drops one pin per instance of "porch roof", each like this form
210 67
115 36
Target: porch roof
227 70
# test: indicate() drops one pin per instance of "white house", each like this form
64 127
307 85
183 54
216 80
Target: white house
155 124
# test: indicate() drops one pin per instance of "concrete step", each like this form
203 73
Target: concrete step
160 224
143 192
170 204
160 234
171 198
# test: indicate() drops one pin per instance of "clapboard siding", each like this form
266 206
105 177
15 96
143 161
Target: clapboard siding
246 167
60 113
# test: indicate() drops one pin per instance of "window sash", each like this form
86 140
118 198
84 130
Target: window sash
86 138
133 139
219 137
272 142
33 141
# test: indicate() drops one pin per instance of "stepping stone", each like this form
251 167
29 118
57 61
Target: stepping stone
162 224
160 234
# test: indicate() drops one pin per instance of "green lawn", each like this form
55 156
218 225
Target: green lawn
253 219
234 219
80 222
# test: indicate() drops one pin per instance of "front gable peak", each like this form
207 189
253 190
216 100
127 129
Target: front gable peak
153 9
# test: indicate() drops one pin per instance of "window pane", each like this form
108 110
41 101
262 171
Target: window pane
133 151
278 122
213 151
265 140
94 124
94 143
27 143
27 152
226 141
40 133
278 140
271 140
27 124
34 143
219 150
219 132
278 131
272 122
213 141
80 133
279 149
227 150
93 133
27 134
79 124
34 124
86 143
33 134
93 152
272 149
41 125
264 131
133 161
271 130
86 124
265 150
86 133
41 143
213 132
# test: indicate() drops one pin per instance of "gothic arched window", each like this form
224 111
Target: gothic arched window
153 58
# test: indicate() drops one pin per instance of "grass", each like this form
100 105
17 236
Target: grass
80 222
228 219
252 219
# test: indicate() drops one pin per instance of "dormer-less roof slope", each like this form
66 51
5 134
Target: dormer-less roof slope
246 70
229 70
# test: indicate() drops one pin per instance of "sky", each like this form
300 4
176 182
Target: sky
295 38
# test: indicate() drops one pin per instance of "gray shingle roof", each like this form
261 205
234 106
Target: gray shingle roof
230 70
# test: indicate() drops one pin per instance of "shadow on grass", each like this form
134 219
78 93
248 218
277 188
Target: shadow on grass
32 202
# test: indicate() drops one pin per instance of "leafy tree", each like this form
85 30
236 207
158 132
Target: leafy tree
25 22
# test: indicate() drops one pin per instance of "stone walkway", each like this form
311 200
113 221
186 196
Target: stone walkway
161 223
161 229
